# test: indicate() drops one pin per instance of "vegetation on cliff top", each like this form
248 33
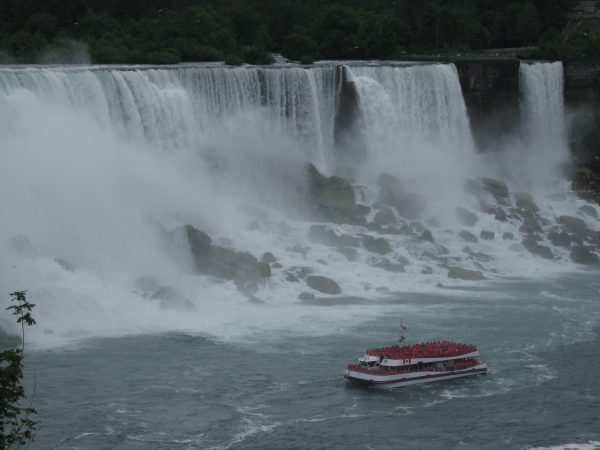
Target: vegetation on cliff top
161 31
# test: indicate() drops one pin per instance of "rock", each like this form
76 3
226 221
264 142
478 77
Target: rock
268 258
276 266
478 256
374 226
67 265
146 284
433 222
333 199
500 215
466 217
403 260
323 284
525 202
508 236
386 264
426 236
20 245
321 261
292 278
409 205
495 187
573 225
427 270
170 298
322 234
349 252
539 250
560 239
468 236
298 248
589 211
385 216
307 296
225 263
464 274
376 245
530 225
582 255
487 235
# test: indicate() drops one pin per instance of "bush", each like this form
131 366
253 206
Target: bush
307 60
234 60
254 54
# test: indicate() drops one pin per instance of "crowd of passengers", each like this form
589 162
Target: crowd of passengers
423 350
430 367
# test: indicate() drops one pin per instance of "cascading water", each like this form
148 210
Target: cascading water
99 164
543 115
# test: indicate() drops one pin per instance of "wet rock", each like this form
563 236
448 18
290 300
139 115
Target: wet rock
427 270
487 235
333 199
581 255
374 226
349 252
20 245
466 217
525 202
292 278
322 261
386 264
464 274
426 236
66 265
478 256
500 215
276 265
530 225
307 296
170 298
408 205
495 187
559 239
385 216
376 245
146 284
433 222
537 249
323 284
589 211
322 234
268 258
298 248
225 263
508 236
573 225
468 236
406 229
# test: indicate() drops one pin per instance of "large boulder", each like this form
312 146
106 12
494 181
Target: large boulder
464 274
573 225
323 284
322 234
333 198
525 202
408 205
466 217
559 239
376 245
487 235
495 187
589 211
386 264
537 249
170 298
223 262
582 255
385 216
530 225
468 236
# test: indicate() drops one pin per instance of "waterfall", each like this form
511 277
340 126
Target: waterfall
407 106
543 119
178 107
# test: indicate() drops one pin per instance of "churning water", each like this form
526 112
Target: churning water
97 164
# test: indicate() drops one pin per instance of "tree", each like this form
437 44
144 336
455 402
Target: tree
16 425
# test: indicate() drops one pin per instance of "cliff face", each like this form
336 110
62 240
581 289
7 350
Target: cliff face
491 92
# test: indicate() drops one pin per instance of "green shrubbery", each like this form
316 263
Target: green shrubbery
161 31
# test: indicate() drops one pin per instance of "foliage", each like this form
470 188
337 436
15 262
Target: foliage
163 31
16 425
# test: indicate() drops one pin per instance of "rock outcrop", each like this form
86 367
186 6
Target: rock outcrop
323 284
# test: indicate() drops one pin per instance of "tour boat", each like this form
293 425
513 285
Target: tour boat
403 365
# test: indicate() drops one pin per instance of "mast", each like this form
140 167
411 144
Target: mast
401 330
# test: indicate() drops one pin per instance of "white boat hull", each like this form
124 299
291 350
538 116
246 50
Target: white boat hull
401 380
